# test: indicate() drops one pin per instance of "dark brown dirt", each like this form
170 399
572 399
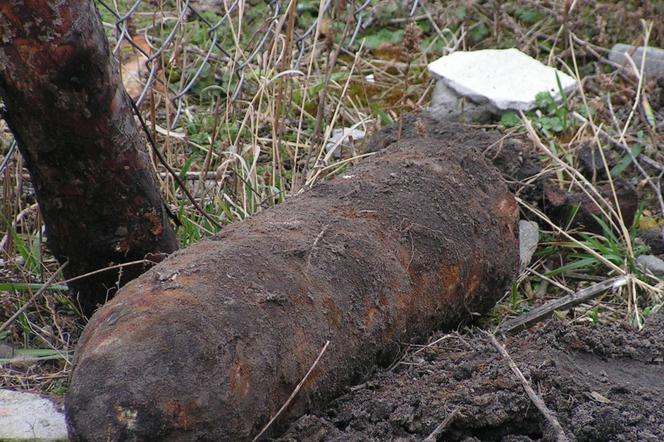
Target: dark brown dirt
561 204
210 343
603 383
514 156
519 161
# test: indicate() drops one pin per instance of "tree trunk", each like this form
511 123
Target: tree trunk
65 103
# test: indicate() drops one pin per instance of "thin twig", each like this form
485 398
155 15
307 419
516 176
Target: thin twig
176 177
293 394
313 247
10 152
322 95
22 214
542 312
536 400
32 299
105 269
433 437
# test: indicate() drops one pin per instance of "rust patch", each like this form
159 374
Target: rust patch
333 312
126 417
61 54
473 277
180 414
450 277
351 213
240 376
156 226
507 210
370 313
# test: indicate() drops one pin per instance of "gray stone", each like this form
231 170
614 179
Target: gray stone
651 263
448 105
27 416
654 58
499 79
528 241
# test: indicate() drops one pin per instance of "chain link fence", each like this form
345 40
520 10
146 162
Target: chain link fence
275 77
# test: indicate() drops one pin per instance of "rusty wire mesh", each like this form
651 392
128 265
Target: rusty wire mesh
205 39
273 85
215 51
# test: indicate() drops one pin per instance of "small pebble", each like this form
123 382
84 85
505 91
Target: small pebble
528 240
652 263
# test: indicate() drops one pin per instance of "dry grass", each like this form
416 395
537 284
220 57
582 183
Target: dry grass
242 98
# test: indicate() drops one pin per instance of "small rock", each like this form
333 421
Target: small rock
652 263
528 240
340 137
6 351
654 62
653 238
27 416
448 105
505 79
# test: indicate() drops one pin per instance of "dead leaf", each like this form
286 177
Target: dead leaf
598 397
134 68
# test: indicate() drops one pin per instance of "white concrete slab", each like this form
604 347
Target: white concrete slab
27 416
507 79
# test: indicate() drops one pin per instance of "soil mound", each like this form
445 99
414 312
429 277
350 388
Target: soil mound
603 383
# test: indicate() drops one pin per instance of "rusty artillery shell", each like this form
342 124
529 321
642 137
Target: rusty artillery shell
210 343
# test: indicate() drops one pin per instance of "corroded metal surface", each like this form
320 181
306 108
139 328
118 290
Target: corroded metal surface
210 343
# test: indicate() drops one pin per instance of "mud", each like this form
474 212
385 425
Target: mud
603 383
560 205
210 343
515 157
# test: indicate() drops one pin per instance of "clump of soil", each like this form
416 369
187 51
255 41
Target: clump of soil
603 383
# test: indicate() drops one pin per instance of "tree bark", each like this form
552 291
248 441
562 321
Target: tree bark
66 105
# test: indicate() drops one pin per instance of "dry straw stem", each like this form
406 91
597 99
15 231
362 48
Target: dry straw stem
45 287
168 167
623 229
331 63
305 94
534 397
592 192
293 394
633 282
636 161
584 184
580 244
21 215
105 269
318 169
433 437
544 311
549 280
